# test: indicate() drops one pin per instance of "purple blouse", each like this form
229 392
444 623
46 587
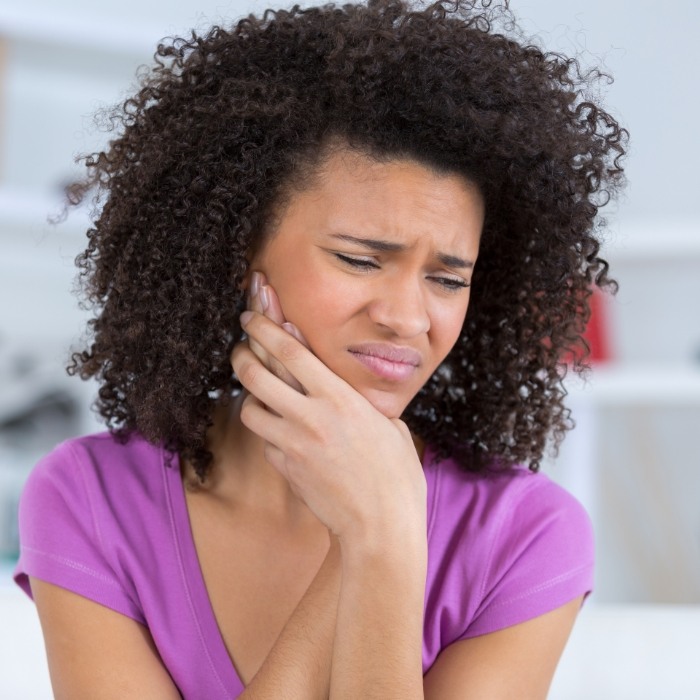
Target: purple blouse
109 522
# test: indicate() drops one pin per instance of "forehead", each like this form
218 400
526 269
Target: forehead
401 200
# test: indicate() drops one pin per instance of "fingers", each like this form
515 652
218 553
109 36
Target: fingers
270 302
292 354
263 299
273 311
254 303
293 330
267 399
269 389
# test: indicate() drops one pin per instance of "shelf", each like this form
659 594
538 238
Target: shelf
650 241
638 384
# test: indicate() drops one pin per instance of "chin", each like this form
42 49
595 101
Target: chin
386 403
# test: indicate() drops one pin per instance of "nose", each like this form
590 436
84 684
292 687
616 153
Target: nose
400 307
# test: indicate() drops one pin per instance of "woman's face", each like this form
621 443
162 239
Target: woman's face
372 264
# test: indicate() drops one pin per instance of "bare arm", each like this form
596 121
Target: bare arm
379 641
372 647
379 633
95 653
299 665
98 654
515 662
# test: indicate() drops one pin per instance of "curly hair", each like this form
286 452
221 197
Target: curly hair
223 127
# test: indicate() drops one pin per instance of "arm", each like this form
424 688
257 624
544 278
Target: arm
379 640
515 662
299 665
379 632
359 472
355 474
96 653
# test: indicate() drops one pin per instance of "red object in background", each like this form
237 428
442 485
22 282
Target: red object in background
596 333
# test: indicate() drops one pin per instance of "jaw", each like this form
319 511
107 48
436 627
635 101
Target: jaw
390 404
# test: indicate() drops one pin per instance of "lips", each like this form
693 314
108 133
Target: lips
387 361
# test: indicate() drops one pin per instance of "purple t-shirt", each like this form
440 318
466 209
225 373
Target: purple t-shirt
110 522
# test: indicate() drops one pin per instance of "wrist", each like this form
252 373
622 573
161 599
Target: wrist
391 548
384 523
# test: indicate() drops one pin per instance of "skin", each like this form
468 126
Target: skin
405 299
317 446
408 298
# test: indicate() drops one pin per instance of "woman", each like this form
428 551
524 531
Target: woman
350 512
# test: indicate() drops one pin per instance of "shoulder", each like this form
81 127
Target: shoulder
83 513
95 483
101 449
504 547
96 464
502 503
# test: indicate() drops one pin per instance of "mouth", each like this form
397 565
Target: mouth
387 361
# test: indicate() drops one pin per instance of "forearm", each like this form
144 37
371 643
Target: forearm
379 629
299 665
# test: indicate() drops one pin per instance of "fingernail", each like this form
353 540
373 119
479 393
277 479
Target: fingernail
264 297
255 284
245 317
292 330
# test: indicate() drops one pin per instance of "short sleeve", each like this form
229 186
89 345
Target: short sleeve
60 540
541 559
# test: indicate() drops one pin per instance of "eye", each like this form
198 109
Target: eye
451 284
359 263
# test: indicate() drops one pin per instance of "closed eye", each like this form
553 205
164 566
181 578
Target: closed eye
360 263
451 283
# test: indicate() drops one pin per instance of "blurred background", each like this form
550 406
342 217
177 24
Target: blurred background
633 460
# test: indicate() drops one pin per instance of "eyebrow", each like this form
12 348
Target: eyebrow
390 247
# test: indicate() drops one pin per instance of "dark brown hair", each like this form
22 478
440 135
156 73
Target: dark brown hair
224 123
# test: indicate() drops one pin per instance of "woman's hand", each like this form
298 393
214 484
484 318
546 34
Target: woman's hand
357 470
263 299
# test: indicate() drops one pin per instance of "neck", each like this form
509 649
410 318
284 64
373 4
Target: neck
240 475
242 478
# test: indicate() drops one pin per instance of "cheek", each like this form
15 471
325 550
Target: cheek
447 325
310 300
292 279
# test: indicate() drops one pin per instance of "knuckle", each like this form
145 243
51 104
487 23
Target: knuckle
288 350
249 373
246 410
318 430
237 351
